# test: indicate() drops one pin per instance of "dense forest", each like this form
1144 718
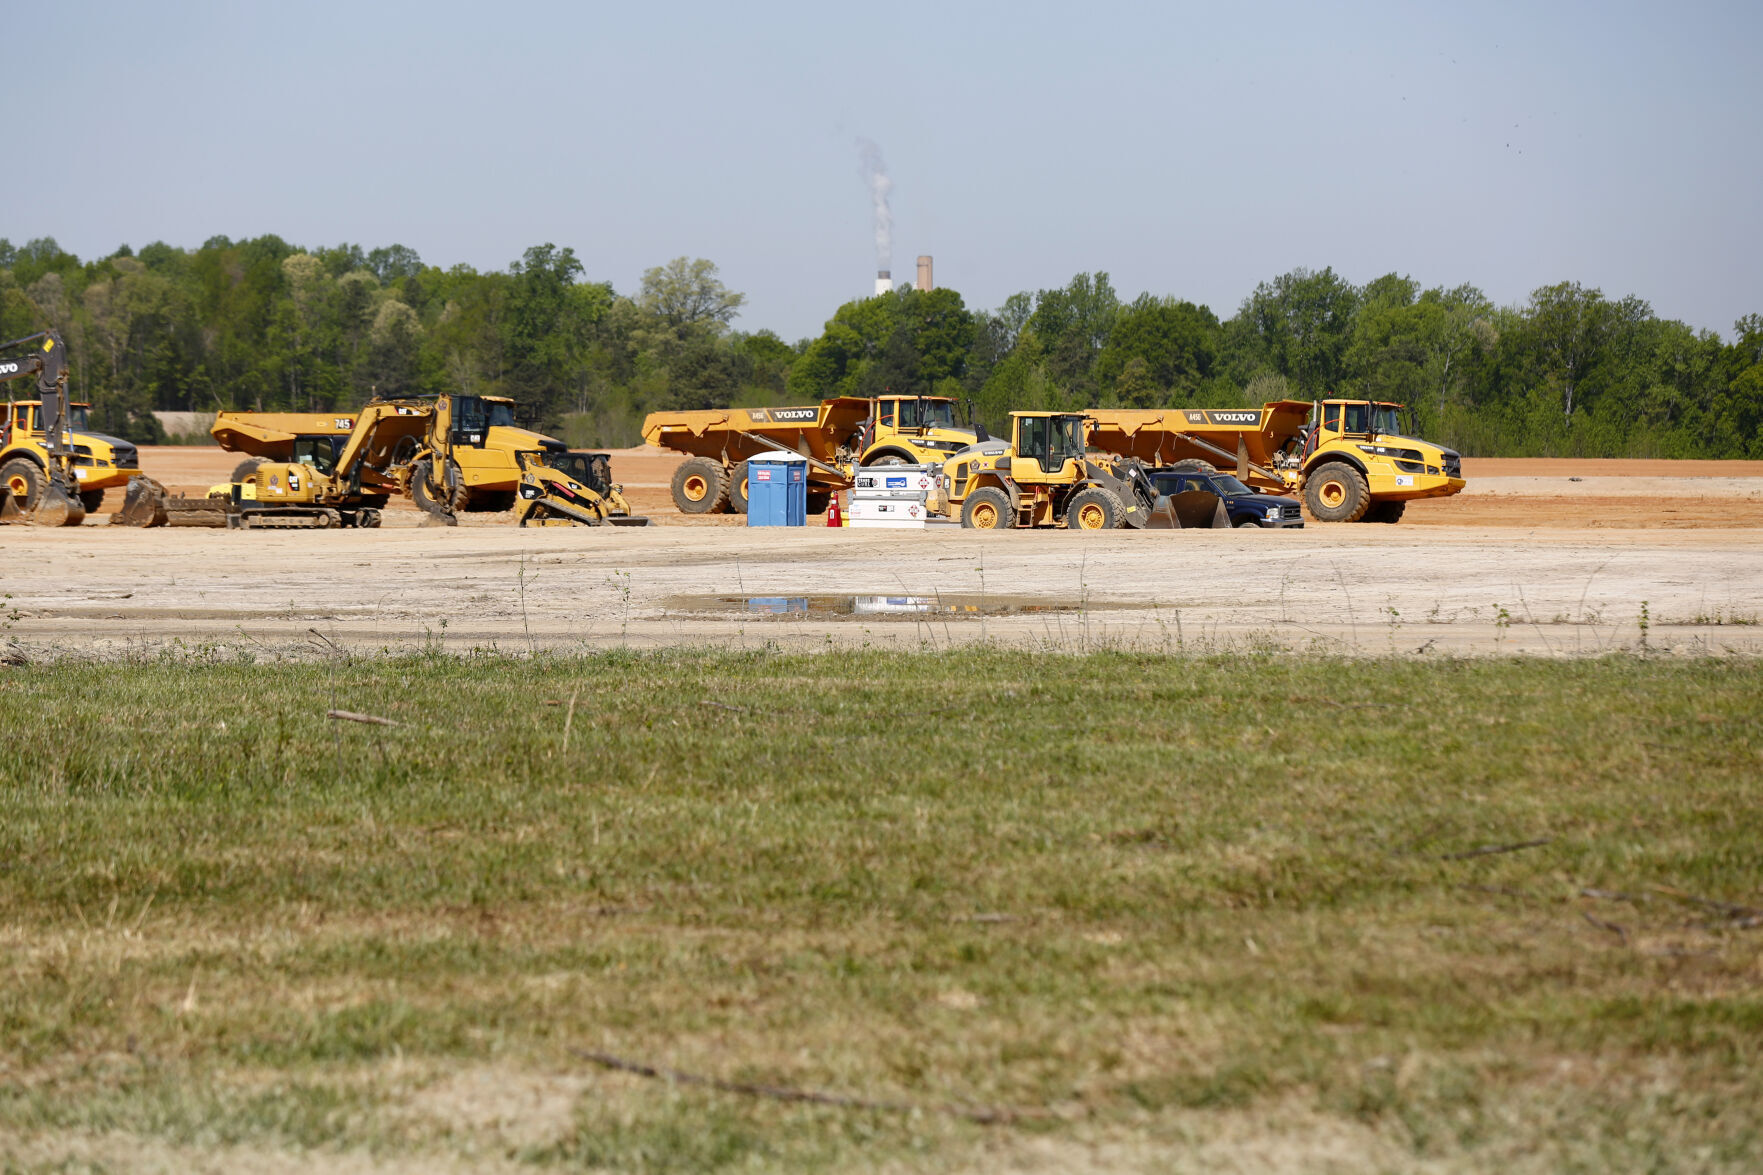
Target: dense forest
265 324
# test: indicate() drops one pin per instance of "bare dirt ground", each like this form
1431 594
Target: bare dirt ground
1527 559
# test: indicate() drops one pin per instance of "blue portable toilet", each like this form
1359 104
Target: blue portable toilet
777 490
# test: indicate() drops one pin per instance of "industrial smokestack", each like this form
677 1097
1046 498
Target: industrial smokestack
884 282
924 282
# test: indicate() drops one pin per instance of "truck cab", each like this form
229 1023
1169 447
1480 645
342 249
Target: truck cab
912 430
99 461
1358 462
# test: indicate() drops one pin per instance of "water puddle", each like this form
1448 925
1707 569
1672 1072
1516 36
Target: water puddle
878 607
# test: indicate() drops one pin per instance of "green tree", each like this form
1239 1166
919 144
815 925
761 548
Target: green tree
687 295
1299 326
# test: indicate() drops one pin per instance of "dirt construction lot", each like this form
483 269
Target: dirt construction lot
1550 557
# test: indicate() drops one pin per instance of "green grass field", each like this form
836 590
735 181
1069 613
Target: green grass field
1250 913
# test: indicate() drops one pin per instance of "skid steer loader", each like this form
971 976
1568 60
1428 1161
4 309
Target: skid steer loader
571 489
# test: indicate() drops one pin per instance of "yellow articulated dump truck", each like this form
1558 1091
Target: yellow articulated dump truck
1349 459
837 436
274 436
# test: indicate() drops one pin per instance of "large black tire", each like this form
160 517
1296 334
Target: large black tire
1336 492
91 500
24 479
420 494
886 459
987 508
244 470
1194 465
1094 509
737 488
1378 512
461 496
700 486
818 501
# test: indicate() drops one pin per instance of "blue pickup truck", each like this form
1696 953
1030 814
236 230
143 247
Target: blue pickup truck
1244 505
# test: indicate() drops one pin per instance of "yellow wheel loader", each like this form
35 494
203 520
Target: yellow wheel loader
39 451
571 489
1047 478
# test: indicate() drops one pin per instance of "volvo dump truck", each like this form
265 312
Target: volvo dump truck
837 436
39 450
1349 459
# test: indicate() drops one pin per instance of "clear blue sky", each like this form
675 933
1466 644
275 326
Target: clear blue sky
1187 150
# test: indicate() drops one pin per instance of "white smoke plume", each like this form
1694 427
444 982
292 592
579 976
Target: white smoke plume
875 174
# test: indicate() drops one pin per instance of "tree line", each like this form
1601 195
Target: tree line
263 324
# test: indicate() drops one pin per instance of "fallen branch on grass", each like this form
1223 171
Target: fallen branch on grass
1737 917
987 1115
1612 927
1490 850
369 719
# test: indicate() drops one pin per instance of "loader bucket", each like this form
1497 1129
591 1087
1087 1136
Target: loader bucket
628 520
143 504
58 507
1190 510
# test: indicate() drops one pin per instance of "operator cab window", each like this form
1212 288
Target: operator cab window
1032 436
1331 417
317 452
1071 441
468 416
1357 418
886 410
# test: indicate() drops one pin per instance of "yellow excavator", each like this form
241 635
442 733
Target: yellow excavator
43 470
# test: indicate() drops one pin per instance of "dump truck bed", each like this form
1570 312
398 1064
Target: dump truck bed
272 434
736 434
1163 436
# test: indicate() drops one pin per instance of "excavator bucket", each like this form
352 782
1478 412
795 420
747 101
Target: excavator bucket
1190 510
57 507
143 504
